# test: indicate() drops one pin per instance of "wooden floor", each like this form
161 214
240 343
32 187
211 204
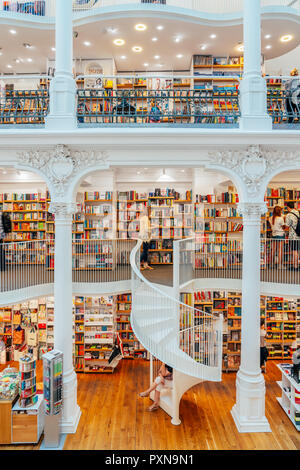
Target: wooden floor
115 418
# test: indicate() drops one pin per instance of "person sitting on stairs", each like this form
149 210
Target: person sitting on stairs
163 380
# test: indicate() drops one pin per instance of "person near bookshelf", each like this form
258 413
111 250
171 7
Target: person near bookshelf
292 100
277 226
163 380
263 349
144 235
291 221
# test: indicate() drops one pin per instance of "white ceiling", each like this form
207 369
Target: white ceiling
192 36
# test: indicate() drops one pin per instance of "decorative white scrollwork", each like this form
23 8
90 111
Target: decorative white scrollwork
61 165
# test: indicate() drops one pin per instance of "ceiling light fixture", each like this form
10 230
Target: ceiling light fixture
140 27
267 36
9 66
164 177
87 43
112 30
240 47
177 39
29 60
213 36
27 45
154 39
160 27
146 65
13 31
53 49
157 57
268 46
179 56
119 42
123 57
203 47
137 49
286 38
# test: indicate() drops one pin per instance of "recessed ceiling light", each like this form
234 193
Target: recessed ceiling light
179 56
9 66
159 65
154 39
53 49
4 172
267 36
1 53
213 36
160 27
146 64
240 48
203 47
13 31
177 39
29 60
123 57
119 42
286 38
137 49
140 27
268 46
157 57
17 61
87 43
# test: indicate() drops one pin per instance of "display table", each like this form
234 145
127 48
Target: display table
290 398
6 420
28 423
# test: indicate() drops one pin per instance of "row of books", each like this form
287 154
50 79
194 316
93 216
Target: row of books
22 197
224 198
222 227
212 60
216 212
98 196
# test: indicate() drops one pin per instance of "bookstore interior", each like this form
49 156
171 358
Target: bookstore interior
180 202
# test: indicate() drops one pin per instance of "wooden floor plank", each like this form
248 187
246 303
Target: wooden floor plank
115 417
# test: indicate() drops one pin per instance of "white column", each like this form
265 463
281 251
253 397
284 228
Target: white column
63 322
249 410
63 86
253 89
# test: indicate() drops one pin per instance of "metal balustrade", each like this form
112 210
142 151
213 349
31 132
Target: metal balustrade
136 102
283 100
223 259
166 328
20 103
96 261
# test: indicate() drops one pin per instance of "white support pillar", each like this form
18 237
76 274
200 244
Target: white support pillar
63 86
253 88
63 322
249 410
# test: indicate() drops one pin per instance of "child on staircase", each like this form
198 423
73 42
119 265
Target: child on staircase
163 380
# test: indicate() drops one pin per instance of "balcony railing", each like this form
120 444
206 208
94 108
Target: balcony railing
20 103
283 100
46 8
200 259
136 101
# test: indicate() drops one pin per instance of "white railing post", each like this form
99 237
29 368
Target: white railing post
253 90
62 114
249 410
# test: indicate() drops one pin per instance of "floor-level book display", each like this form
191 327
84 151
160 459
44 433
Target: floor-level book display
98 322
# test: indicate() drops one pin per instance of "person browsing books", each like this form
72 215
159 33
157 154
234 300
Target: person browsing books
277 226
291 221
144 235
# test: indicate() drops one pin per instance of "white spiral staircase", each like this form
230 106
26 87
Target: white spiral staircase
166 328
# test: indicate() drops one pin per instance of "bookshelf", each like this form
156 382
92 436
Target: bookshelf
131 346
98 215
220 92
281 316
130 205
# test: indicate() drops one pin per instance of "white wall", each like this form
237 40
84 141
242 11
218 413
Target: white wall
284 64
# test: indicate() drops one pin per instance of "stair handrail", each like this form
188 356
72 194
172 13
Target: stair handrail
149 284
